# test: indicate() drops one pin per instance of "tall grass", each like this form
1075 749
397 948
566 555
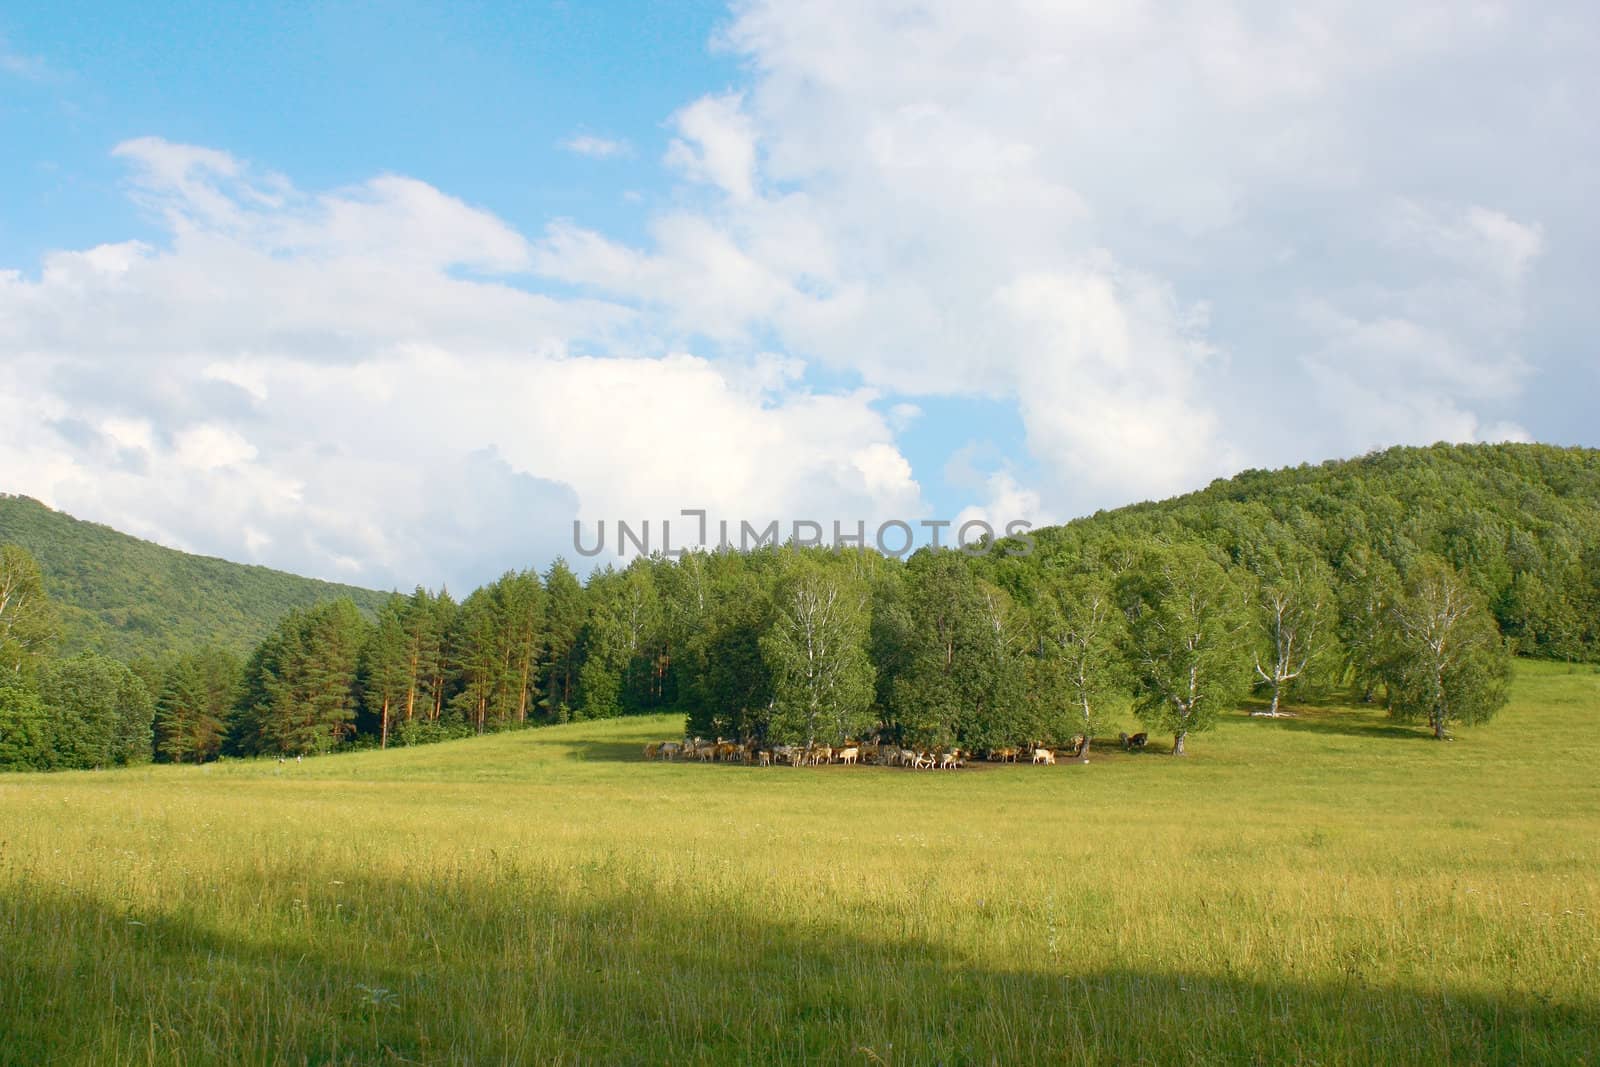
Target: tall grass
1323 889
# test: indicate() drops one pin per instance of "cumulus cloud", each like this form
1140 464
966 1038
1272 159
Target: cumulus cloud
308 380
1175 239
716 143
1180 238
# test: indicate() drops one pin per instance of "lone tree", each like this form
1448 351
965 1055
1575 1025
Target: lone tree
1451 663
1188 618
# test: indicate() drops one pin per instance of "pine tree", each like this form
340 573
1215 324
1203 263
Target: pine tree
197 691
388 673
564 616
301 691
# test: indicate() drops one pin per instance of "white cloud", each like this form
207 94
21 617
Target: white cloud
26 67
1006 505
208 447
716 144
304 379
903 415
588 144
1116 218
1175 238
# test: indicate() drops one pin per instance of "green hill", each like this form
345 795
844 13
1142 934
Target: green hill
130 598
1522 521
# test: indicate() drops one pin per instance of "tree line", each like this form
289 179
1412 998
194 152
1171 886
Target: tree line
1410 576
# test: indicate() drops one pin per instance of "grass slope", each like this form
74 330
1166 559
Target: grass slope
129 598
1323 889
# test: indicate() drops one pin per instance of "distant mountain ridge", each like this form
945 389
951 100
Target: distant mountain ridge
131 598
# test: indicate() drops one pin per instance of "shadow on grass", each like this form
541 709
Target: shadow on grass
515 971
1302 719
605 751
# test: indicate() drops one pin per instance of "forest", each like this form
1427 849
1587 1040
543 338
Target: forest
1409 576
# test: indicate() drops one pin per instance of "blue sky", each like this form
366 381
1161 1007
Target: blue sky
473 98
392 293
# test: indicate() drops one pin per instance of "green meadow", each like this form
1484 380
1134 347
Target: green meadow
1323 889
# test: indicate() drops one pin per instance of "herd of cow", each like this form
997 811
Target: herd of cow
855 753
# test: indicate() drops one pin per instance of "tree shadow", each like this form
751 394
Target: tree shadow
1325 698
1343 723
510 967
605 751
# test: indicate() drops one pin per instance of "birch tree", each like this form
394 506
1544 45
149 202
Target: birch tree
1453 665
1188 619
816 651
28 626
1078 628
1295 620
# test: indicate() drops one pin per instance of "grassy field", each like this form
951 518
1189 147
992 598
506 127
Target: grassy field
1323 889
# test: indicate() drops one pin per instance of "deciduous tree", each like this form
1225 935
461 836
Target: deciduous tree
28 624
816 651
1453 665
1079 662
1186 644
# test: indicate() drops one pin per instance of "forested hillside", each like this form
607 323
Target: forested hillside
1521 523
131 599
1406 578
